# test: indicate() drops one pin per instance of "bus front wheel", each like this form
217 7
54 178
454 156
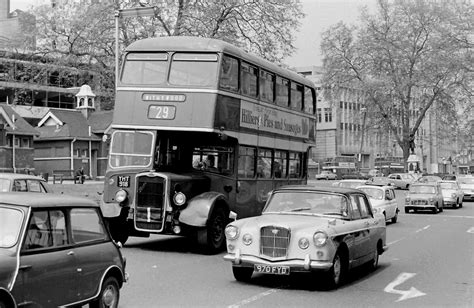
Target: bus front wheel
212 237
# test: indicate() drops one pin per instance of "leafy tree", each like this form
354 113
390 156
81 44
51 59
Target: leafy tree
78 35
406 57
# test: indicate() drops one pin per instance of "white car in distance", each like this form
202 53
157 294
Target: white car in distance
383 200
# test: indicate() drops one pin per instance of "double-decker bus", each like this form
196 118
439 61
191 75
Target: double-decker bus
342 166
202 131
390 164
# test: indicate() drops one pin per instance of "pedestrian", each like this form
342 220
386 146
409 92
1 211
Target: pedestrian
80 177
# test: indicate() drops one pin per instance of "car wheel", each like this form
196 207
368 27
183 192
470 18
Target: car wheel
242 273
212 237
335 274
441 209
460 203
109 294
395 218
435 210
374 263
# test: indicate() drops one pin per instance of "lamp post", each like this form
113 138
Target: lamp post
362 134
131 12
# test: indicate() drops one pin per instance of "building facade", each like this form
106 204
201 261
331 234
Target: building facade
347 128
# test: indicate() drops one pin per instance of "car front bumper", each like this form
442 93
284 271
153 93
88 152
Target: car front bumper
295 265
420 207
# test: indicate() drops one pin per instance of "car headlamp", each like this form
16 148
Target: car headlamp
120 195
247 239
303 243
231 232
179 198
320 239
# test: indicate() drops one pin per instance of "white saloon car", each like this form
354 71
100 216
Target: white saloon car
383 200
327 230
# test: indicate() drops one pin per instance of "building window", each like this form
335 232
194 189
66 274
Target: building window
327 114
77 153
17 142
85 153
25 142
320 116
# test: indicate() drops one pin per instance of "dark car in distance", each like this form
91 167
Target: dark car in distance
56 251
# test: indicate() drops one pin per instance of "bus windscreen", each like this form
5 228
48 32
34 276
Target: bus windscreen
145 68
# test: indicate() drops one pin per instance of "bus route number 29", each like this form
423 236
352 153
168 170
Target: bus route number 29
161 112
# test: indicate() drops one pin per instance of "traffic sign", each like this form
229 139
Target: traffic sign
138 11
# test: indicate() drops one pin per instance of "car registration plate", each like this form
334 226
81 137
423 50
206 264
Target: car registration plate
272 269
123 181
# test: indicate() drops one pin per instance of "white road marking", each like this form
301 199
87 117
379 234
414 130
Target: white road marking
253 298
422 229
470 230
411 293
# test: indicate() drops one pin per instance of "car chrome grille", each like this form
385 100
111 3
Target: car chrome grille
150 198
274 241
419 202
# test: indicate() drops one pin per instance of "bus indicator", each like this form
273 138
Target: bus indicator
161 112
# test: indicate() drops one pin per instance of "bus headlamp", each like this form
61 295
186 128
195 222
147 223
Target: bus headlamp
120 195
179 198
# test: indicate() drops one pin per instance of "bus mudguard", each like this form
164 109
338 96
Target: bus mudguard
198 209
110 209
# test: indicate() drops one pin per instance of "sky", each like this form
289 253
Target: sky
320 15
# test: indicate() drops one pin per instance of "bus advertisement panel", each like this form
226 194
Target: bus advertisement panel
202 131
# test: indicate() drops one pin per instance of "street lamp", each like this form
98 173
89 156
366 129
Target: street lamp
131 12
362 135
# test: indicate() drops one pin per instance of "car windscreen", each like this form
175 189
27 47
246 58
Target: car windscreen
373 192
448 185
10 226
422 189
307 202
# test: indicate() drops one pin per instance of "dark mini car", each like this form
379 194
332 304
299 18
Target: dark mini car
56 251
23 182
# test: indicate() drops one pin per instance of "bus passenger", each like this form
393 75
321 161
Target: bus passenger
210 163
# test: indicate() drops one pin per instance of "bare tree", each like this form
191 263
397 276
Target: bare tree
406 57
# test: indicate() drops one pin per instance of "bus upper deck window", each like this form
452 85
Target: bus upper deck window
282 90
249 79
267 85
193 69
296 96
229 74
309 95
145 68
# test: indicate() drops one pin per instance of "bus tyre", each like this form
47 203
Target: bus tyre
118 229
212 237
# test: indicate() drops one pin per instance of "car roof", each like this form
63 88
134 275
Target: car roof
318 188
448 181
45 200
376 186
425 184
15 176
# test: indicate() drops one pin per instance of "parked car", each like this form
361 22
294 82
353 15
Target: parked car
375 172
55 251
401 180
350 183
452 193
449 177
467 186
383 200
429 178
424 196
23 182
326 175
326 230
